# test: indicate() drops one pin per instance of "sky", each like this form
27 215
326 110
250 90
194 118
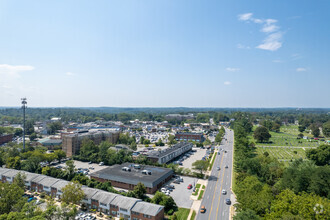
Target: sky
165 53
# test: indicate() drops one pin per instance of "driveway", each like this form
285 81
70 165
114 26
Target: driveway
181 194
187 163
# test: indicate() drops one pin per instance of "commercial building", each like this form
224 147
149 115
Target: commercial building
71 143
169 154
50 143
5 138
108 203
188 136
128 175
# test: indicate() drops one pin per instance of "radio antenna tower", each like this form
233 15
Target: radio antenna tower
24 103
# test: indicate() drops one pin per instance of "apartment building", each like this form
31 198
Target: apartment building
108 203
167 155
71 142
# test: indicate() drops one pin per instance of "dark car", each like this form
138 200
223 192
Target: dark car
228 202
203 209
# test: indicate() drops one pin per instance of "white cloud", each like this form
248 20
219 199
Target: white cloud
277 61
301 69
227 83
240 46
231 69
18 68
70 74
269 28
245 17
273 40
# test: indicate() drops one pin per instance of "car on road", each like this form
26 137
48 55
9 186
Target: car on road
225 151
218 168
203 209
189 186
228 202
224 192
226 166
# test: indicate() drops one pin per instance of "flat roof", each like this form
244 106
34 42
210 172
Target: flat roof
115 173
167 151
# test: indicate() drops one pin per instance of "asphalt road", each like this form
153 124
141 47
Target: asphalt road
214 200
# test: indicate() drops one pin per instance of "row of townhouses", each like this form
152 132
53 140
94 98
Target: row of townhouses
106 202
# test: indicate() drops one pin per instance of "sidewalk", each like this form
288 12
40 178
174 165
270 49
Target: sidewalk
197 203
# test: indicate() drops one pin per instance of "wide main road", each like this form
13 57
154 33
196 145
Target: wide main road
213 200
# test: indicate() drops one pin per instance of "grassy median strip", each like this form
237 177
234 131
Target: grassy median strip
193 215
201 195
203 187
198 185
196 192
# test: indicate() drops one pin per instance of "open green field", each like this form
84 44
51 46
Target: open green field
288 137
283 153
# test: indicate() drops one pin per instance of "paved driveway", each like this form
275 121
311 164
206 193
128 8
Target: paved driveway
181 194
187 163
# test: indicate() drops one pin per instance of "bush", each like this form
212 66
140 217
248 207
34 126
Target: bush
170 212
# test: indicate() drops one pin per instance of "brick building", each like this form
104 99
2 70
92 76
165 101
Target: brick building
5 138
71 142
187 136
108 203
169 154
128 175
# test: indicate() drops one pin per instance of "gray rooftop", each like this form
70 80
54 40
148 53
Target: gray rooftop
89 192
115 173
38 178
48 181
3 170
60 184
124 202
162 153
147 208
104 197
30 176
12 173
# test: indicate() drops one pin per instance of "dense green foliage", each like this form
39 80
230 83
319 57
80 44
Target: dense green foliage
265 188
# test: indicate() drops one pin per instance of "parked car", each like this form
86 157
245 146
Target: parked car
203 209
189 186
101 163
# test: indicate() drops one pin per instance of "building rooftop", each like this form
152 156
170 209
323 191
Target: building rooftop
124 202
104 197
167 151
115 173
3 170
147 208
60 184
12 173
30 176
48 181
89 192
39 178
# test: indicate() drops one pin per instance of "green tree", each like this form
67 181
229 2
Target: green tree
247 215
13 162
301 128
207 142
146 141
261 134
60 154
19 180
320 155
11 198
29 127
70 169
72 193
140 190
18 132
171 139
315 130
54 127
300 135
33 136
326 129
200 165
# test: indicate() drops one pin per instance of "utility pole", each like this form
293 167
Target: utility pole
24 103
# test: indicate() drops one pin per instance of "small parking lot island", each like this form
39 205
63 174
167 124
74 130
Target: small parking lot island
128 175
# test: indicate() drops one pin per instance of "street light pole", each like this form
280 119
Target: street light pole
24 103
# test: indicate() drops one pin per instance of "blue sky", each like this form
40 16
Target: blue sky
166 53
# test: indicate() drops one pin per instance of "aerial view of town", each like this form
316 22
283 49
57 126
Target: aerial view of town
175 110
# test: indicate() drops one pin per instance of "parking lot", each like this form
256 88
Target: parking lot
181 194
198 155
93 167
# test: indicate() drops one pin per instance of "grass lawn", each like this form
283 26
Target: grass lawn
182 213
201 195
193 215
287 137
196 192
198 185
284 154
203 187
